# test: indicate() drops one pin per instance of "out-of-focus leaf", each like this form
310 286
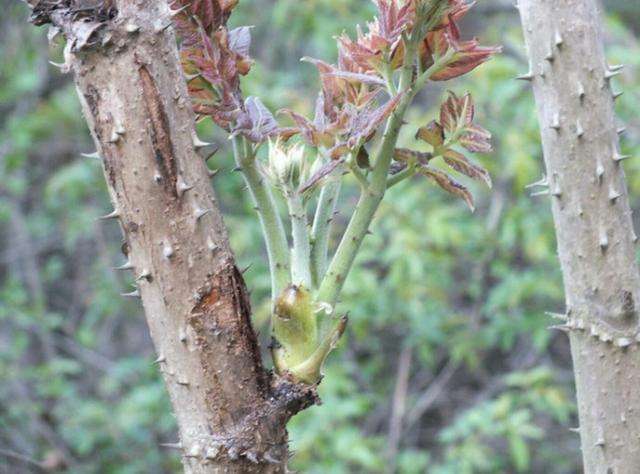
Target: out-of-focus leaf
463 165
449 184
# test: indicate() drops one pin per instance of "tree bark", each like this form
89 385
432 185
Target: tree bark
596 242
230 412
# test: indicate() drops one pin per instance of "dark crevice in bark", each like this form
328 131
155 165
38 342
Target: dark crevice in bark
159 131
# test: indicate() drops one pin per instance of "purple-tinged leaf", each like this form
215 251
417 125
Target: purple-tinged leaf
240 40
324 171
432 133
405 155
463 165
476 139
449 184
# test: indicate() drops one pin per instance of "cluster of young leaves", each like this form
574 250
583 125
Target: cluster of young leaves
350 106
213 57
377 75
455 127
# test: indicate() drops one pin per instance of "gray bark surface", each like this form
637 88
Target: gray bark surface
231 413
572 83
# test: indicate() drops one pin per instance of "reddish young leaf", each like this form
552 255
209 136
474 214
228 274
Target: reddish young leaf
449 184
240 40
210 14
467 54
404 155
256 122
392 20
432 133
476 139
358 78
322 173
463 165
367 120
457 112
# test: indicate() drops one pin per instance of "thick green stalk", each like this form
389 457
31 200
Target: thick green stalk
272 228
371 196
301 250
321 228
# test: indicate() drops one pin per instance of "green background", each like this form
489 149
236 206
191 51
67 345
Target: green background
459 298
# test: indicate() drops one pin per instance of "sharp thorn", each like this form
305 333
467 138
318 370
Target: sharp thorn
544 192
145 275
133 294
560 316
112 215
167 251
95 155
211 245
560 327
171 445
173 13
525 77
62 66
611 74
599 171
106 39
126 266
199 213
558 40
197 143
604 242
613 194
555 124
132 28
550 56
617 157
543 182
191 77
182 187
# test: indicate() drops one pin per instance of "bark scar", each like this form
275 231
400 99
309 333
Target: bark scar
160 131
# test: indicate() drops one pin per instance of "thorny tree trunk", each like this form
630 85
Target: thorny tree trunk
596 241
230 413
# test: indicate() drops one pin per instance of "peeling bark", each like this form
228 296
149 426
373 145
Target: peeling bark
572 83
231 413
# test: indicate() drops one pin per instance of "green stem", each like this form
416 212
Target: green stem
360 177
321 228
301 251
371 197
272 228
408 172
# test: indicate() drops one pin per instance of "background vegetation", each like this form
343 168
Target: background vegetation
448 366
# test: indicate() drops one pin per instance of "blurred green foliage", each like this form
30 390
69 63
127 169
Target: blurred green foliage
489 388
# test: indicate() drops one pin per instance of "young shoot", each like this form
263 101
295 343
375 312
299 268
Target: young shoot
352 139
